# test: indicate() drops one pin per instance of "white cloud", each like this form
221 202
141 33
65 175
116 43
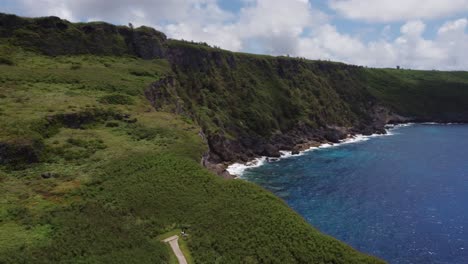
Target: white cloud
277 24
124 11
397 10
217 34
413 28
410 49
46 7
457 26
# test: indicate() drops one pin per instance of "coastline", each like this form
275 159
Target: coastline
238 169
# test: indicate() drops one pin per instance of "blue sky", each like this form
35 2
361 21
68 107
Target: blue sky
423 34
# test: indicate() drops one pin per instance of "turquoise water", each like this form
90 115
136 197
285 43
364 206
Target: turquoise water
402 197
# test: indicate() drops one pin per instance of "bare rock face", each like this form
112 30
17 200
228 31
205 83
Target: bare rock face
144 42
163 95
217 168
334 136
304 146
271 150
223 150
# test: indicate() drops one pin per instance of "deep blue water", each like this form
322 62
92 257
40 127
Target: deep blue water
403 198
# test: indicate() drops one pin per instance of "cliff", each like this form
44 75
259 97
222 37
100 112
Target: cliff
54 36
250 105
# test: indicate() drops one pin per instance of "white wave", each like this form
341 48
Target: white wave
238 169
431 123
443 124
324 145
287 154
354 139
403 125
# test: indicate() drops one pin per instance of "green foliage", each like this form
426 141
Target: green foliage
141 73
76 148
117 99
424 95
264 95
76 66
53 36
6 61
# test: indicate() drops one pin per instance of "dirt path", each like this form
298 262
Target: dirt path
173 241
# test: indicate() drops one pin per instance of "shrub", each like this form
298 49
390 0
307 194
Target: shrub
75 66
6 61
141 73
116 99
140 132
112 124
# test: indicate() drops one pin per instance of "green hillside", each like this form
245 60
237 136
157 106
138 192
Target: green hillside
103 128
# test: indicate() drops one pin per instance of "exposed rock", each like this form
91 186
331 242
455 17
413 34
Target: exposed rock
334 136
223 149
20 151
271 150
304 146
217 168
48 175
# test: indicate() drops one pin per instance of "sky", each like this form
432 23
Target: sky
416 34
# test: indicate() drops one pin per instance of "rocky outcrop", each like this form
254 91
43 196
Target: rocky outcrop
144 42
217 168
163 95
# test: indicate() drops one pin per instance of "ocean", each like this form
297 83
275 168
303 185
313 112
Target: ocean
402 197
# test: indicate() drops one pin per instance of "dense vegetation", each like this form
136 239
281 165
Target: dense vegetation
261 94
424 95
91 172
54 36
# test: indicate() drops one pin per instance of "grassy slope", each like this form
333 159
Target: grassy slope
112 186
428 95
